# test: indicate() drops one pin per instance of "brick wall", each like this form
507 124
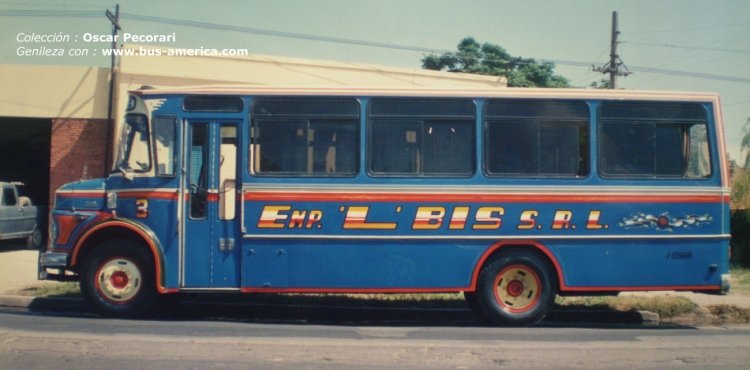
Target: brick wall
78 151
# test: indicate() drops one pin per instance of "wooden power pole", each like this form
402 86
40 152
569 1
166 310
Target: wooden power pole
115 20
613 67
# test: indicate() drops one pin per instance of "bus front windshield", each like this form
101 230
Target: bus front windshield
133 153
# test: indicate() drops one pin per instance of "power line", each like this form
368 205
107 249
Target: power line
683 29
337 40
688 47
266 32
51 13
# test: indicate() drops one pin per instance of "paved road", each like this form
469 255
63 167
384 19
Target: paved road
84 341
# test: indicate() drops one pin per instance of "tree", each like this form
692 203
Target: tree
745 144
603 84
741 172
494 60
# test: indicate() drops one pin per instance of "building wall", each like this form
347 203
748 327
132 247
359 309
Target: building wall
53 91
78 150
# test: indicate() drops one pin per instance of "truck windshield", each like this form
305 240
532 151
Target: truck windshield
133 153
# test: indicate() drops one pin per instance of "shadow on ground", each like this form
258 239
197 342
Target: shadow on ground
335 310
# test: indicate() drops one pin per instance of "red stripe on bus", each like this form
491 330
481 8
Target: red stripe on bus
351 290
479 198
700 288
96 194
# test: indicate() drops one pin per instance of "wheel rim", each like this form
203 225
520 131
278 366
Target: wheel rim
118 280
517 288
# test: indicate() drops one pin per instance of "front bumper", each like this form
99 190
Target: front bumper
54 261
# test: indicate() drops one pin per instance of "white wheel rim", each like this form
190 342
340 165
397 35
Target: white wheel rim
517 288
118 280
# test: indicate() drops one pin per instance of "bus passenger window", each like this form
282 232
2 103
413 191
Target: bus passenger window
536 138
305 137
653 139
430 137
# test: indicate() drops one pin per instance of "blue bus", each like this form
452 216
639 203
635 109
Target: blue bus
511 196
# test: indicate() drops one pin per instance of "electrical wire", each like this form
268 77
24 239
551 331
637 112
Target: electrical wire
339 40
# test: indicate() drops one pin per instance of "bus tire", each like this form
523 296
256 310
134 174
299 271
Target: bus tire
515 289
118 279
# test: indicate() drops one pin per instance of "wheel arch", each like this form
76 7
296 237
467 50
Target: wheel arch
121 229
502 247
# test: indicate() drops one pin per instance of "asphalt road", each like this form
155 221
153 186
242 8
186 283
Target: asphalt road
36 340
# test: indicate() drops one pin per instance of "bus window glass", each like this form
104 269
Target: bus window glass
534 138
164 132
209 103
133 154
311 138
198 171
421 138
227 172
652 139
699 164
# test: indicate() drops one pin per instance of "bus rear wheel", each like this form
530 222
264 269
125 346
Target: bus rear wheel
118 279
515 289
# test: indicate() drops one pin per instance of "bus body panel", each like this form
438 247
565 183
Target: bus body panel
371 233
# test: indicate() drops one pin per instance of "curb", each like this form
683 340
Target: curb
62 304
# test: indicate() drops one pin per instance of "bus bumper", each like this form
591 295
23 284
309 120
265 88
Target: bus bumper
53 261
725 285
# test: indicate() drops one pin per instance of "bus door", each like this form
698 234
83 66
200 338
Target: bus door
210 232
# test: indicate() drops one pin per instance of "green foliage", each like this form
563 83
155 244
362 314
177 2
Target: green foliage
494 60
602 84
740 279
665 306
68 289
741 238
745 143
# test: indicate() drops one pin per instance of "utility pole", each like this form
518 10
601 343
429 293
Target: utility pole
613 66
115 20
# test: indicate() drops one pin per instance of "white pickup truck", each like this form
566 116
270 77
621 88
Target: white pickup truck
18 217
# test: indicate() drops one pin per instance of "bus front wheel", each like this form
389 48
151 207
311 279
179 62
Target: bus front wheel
515 289
118 279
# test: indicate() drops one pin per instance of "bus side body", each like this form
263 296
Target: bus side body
512 200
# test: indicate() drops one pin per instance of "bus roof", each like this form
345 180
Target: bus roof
571 93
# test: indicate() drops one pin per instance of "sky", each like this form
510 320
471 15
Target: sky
671 45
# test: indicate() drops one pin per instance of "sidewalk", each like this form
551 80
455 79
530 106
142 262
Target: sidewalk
18 269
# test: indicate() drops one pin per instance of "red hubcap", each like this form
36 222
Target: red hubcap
119 279
515 288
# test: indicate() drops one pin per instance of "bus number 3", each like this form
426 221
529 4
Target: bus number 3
141 208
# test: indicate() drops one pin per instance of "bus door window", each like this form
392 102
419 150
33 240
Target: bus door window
227 172
165 154
198 171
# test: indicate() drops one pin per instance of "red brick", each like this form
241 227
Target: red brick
79 149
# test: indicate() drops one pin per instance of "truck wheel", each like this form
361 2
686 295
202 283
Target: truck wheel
118 279
516 289
34 240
